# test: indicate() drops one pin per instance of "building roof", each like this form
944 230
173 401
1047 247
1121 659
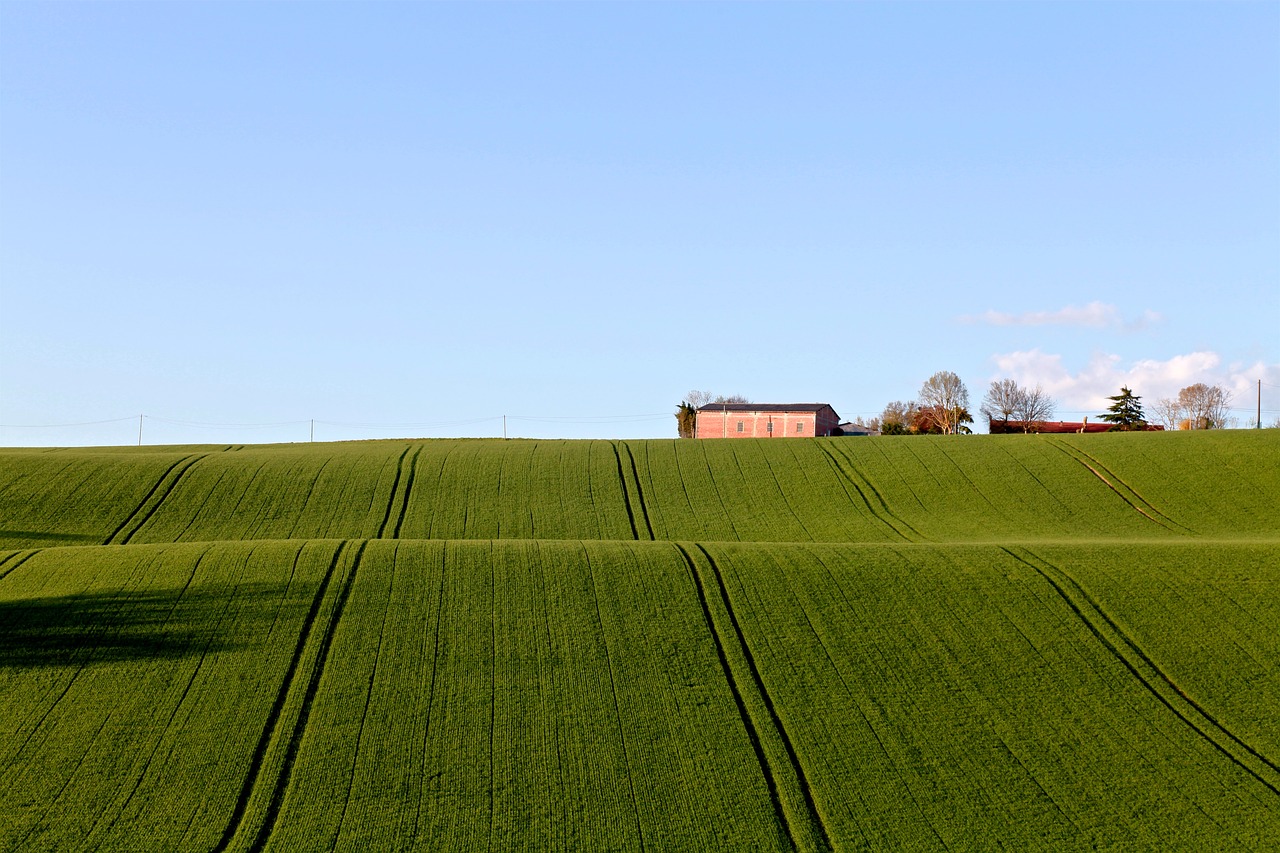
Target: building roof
764 407
1060 426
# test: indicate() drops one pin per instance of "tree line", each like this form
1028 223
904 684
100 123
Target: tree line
942 408
943 403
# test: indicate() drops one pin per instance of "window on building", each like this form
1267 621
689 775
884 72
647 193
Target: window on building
769 427
800 427
740 426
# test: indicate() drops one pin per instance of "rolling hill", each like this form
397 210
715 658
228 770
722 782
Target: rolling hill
1028 642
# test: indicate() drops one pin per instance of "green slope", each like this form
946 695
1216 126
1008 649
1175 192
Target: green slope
1025 642
935 489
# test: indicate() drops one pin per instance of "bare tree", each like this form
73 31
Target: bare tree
1006 400
1168 412
1205 405
1002 401
698 399
1034 408
946 395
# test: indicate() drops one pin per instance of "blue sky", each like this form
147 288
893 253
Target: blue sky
413 219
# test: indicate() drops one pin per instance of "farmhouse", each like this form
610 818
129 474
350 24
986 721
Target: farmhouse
765 420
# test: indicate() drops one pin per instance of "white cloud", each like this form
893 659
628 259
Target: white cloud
1095 315
1086 390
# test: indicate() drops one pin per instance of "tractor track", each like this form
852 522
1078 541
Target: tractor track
626 493
273 723
644 510
1149 674
147 508
1140 504
21 558
805 830
885 514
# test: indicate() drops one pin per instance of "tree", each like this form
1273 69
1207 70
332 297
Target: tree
687 419
1197 406
1125 412
930 421
698 399
946 395
1034 408
898 417
1002 401
1205 405
1168 412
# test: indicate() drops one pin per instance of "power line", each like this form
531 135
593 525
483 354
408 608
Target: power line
409 425
159 419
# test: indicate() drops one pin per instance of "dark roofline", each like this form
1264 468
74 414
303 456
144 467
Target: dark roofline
764 407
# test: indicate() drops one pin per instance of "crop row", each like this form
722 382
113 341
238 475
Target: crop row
556 695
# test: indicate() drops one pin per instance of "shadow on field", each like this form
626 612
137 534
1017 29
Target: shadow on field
92 628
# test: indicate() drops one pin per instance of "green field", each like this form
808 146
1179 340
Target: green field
988 642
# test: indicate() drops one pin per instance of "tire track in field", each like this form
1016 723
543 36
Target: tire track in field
644 510
1149 674
626 495
852 478
806 829
273 738
408 490
21 558
396 498
1132 498
147 508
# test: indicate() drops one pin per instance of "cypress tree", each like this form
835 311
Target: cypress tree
1125 412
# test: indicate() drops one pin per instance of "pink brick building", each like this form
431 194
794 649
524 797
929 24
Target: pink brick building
765 420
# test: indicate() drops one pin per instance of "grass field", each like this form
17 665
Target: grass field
1006 642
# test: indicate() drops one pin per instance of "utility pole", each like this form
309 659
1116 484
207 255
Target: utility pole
1259 404
140 430
313 430
504 427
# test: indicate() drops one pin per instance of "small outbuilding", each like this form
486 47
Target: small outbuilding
766 420
853 428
